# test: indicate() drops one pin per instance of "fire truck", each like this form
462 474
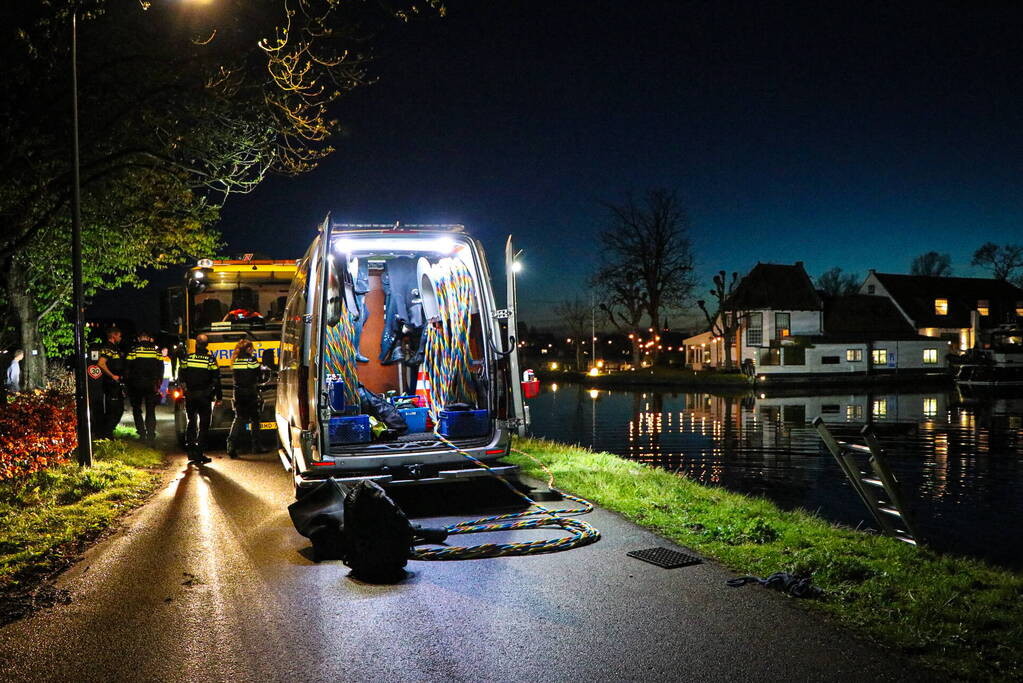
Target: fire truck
229 300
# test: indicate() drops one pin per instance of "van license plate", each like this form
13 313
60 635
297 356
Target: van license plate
268 425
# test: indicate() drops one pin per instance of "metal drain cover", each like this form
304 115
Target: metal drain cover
662 557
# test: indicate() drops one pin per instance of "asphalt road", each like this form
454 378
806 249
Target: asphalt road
210 582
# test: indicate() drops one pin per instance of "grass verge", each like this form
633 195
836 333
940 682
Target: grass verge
958 616
48 517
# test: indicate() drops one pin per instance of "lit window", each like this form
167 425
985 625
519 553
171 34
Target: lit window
880 356
930 355
941 306
854 355
881 407
983 307
782 325
930 407
854 412
1019 308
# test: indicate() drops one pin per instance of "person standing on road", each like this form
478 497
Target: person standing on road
143 371
111 365
200 377
248 374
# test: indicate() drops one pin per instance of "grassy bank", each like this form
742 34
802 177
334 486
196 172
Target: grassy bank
959 616
48 517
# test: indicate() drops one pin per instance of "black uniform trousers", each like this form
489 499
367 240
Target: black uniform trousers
113 407
144 397
246 411
199 410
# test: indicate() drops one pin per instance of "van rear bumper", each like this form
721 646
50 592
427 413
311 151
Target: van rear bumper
406 479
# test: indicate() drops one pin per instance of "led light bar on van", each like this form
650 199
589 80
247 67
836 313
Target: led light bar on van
439 245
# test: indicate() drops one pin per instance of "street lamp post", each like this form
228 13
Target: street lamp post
78 297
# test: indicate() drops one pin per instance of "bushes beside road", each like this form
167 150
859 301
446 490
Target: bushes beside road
37 430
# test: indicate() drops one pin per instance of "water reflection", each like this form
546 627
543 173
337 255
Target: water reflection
960 459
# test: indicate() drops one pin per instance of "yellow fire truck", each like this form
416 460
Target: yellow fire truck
229 300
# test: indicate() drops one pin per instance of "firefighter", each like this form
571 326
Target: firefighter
111 365
248 374
199 375
143 372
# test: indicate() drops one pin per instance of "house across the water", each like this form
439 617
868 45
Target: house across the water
960 310
791 332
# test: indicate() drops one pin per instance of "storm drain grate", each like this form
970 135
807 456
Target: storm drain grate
662 557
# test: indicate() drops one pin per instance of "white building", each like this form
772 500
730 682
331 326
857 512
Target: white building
790 332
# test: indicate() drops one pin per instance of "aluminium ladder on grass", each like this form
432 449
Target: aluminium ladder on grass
880 493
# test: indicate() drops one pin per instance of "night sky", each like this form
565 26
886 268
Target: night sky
856 135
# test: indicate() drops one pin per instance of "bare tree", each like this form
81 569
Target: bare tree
1003 262
577 318
932 264
647 246
724 323
834 282
621 303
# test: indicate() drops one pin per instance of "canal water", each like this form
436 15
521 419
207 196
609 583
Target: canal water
959 459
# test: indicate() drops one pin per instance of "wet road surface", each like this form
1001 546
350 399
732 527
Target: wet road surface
210 582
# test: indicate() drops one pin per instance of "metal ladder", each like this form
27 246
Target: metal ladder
880 493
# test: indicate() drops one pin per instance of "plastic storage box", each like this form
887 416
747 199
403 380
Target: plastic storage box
350 429
464 424
415 418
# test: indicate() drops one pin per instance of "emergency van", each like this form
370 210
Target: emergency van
397 318
229 300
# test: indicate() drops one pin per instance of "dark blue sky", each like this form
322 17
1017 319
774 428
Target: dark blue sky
852 134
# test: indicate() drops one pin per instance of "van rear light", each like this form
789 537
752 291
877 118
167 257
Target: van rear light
495 451
321 464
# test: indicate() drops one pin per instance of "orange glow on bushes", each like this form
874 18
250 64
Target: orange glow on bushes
37 430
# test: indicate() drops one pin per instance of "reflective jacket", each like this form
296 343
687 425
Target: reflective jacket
143 367
115 361
200 375
247 374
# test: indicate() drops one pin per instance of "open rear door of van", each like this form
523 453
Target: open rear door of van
512 341
319 408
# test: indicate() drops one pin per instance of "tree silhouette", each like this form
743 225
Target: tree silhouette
1002 261
834 282
647 247
725 322
932 264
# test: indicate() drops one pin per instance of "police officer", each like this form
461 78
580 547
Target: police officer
143 372
111 365
248 374
200 376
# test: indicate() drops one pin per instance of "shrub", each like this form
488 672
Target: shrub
37 430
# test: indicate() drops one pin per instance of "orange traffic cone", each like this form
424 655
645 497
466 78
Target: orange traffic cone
423 389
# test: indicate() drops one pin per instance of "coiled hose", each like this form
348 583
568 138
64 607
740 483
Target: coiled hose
581 533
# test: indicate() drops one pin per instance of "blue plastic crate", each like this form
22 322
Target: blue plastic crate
464 424
350 429
415 418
